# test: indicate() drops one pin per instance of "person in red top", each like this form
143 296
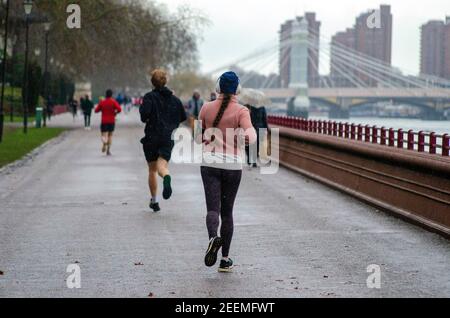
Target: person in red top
109 108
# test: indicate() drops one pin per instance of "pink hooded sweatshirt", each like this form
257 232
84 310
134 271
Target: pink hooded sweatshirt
235 117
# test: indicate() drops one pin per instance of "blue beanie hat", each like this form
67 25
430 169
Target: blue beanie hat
229 83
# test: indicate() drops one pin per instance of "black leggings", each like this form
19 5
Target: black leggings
87 120
221 188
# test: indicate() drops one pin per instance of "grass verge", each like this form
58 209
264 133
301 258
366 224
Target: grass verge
16 144
19 119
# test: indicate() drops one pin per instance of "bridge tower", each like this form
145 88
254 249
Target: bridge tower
299 106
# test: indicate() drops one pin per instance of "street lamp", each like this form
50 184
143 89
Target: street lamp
12 101
5 52
47 27
28 6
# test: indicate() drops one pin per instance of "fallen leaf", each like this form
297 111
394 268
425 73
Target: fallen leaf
172 293
325 276
138 264
76 262
349 283
1 273
151 295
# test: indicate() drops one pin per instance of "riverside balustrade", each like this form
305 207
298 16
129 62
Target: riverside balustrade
422 141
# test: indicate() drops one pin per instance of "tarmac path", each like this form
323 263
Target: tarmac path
70 204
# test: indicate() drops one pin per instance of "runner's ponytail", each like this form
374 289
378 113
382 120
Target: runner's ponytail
223 107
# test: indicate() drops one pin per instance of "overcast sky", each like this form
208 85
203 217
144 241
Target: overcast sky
238 27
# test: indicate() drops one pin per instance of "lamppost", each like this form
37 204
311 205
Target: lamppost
28 6
5 52
12 95
47 27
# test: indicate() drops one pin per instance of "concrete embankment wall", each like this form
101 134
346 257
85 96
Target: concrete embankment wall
414 186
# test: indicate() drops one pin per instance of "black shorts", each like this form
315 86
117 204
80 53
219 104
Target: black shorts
155 148
107 128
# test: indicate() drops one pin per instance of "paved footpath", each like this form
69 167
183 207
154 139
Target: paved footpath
294 237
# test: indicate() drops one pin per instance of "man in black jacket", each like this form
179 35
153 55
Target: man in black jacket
162 112
259 121
87 106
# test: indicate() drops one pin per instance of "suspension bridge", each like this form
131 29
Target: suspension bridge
358 79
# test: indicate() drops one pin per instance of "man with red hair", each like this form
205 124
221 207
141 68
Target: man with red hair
162 112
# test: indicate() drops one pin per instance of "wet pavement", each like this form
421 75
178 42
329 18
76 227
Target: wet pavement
69 204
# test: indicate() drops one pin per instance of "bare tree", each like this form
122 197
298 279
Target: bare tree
119 41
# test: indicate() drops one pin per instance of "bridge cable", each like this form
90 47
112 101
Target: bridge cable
355 81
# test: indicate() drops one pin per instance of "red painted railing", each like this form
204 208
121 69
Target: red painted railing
60 109
421 141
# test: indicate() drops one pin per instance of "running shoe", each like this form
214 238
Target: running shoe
213 248
104 148
167 192
226 266
155 207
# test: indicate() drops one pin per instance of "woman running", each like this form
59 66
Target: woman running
109 109
162 113
222 167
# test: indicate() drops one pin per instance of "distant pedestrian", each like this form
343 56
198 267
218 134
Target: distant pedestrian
109 109
222 168
121 100
87 106
128 103
73 105
259 121
162 112
194 107
50 107
213 97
